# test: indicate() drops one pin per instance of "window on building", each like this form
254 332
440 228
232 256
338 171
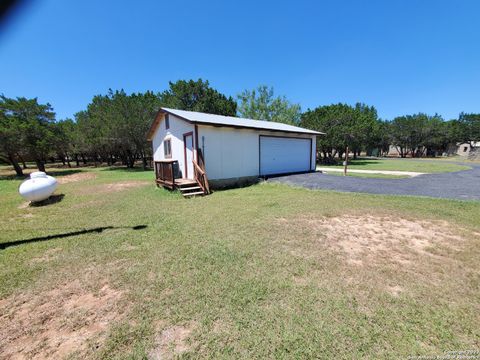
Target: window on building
167 148
167 122
465 148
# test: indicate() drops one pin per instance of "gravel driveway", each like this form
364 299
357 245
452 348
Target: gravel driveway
462 185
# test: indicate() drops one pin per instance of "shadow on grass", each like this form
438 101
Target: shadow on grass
63 235
53 199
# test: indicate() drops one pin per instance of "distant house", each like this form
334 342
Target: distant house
466 149
190 147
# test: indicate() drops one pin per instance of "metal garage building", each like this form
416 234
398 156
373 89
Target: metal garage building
228 149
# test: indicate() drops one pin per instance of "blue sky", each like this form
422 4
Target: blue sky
402 56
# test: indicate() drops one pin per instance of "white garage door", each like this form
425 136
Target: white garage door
280 155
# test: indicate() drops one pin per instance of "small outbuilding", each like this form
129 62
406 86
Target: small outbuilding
193 150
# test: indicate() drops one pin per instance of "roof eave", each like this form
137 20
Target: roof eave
163 110
254 128
154 126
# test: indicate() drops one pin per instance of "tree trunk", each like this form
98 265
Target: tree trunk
130 159
131 162
84 160
40 165
68 160
24 164
15 165
76 160
144 161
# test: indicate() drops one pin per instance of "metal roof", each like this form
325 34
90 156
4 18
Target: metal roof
220 120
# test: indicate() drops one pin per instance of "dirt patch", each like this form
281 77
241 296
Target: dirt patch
57 323
128 247
113 187
24 205
366 239
173 341
22 216
395 290
82 176
300 280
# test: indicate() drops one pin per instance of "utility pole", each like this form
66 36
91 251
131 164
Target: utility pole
345 163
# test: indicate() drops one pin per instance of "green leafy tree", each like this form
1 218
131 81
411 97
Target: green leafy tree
65 140
96 124
36 122
469 128
11 135
414 134
343 125
114 127
378 141
261 104
438 135
134 114
197 96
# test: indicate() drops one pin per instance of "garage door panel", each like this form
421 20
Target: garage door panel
279 155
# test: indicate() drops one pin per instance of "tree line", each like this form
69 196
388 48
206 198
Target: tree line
360 128
113 127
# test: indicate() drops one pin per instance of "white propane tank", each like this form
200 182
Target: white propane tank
39 187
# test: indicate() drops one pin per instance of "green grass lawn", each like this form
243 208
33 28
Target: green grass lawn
456 158
424 166
267 271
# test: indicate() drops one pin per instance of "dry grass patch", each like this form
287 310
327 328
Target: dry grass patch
49 255
24 205
82 176
395 290
173 341
57 323
369 239
113 187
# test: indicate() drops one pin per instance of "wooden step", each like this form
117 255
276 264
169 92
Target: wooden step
181 186
193 193
182 189
184 182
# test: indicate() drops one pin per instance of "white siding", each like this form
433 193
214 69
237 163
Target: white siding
228 152
232 153
178 127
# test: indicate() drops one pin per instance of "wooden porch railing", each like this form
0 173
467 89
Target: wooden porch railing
200 173
165 172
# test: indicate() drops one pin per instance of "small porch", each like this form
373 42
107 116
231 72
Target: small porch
167 174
